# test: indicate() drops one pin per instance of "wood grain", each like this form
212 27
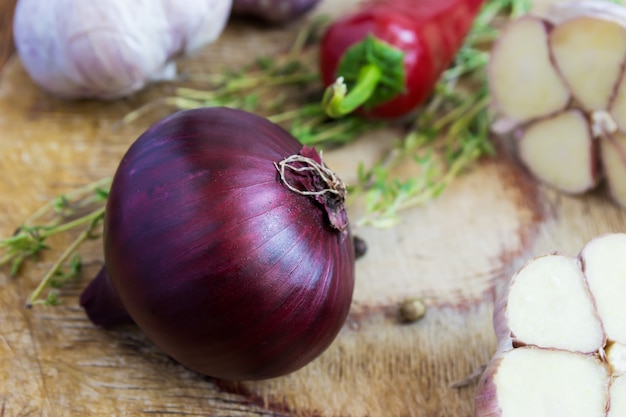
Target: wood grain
6 30
453 252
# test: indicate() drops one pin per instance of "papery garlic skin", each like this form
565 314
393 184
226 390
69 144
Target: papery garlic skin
110 48
197 22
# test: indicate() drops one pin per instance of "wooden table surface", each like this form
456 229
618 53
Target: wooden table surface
452 252
6 35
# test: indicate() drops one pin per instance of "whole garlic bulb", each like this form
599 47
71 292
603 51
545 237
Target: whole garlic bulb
108 49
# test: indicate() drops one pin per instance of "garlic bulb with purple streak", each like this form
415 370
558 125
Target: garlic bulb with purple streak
110 48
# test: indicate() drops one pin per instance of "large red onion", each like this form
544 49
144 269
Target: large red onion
228 244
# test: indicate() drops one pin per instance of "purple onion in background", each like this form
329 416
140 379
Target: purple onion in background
273 11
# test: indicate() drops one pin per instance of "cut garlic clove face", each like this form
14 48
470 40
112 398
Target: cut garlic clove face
618 398
542 68
589 53
564 363
560 152
549 305
523 81
548 383
604 260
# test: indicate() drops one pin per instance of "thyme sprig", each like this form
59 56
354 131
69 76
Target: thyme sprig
56 277
440 159
83 207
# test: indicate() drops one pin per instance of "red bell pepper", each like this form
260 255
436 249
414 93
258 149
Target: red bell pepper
386 58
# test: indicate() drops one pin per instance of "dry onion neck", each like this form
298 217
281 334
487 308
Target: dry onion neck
306 174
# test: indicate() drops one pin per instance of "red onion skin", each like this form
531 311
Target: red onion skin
102 304
273 11
221 265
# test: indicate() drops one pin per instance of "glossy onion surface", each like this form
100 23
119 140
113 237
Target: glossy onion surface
223 267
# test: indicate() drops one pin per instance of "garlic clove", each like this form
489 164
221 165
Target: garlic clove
605 269
549 305
559 384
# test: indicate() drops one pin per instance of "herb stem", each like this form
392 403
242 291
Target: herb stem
327 134
309 110
74 223
247 83
94 219
467 117
68 198
452 115
7 257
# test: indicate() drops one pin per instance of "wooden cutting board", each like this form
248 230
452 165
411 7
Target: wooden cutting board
452 252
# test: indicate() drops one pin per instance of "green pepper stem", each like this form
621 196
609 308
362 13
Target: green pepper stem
338 102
